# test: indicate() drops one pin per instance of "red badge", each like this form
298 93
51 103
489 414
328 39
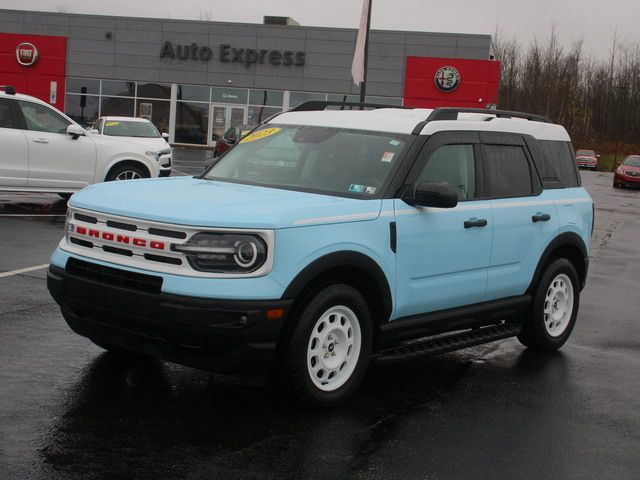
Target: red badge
26 54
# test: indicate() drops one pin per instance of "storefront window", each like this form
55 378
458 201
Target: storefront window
193 93
155 110
117 106
296 98
83 85
256 115
229 95
332 97
82 108
271 98
154 90
121 89
192 120
384 100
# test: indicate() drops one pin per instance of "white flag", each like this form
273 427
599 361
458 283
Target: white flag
357 67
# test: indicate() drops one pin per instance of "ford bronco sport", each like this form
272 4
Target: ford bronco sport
328 239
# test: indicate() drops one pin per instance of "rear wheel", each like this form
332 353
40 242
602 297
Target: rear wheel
554 308
126 172
326 356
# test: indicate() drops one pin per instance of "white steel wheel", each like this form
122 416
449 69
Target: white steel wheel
334 348
558 305
128 175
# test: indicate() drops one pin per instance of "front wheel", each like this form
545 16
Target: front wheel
554 308
326 356
126 172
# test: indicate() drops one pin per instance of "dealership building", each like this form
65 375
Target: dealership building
195 79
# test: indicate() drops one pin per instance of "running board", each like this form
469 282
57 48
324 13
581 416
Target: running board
444 344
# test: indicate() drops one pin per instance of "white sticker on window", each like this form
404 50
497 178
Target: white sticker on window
387 157
395 143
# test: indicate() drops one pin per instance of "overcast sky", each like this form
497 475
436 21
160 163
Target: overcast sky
594 20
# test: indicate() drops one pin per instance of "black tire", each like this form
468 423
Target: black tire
334 306
615 185
126 170
549 331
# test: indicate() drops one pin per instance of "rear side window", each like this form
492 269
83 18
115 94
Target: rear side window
557 165
506 171
6 117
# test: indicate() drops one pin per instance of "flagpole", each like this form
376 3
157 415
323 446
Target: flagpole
363 85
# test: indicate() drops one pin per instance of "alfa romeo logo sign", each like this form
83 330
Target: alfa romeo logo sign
447 79
26 54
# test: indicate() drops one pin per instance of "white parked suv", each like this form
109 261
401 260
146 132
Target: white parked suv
43 150
135 130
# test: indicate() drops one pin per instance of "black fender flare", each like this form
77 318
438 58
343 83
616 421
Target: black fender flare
567 239
343 259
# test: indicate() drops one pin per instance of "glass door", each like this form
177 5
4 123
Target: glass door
224 117
218 123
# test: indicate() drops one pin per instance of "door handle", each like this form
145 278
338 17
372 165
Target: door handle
41 140
541 217
476 222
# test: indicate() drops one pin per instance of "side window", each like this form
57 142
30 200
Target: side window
506 171
6 116
557 165
98 125
43 119
454 164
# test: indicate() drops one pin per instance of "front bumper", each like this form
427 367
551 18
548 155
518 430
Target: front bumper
114 308
626 180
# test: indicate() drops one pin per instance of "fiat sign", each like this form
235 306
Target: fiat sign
26 54
447 79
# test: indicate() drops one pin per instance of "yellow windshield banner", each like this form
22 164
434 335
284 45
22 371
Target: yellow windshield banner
259 135
111 124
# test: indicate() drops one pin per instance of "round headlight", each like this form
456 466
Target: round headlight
246 254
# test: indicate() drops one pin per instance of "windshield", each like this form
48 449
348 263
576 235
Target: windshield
121 128
585 153
315 159
632 161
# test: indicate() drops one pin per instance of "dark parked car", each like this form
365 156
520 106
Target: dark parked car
230 138
586 159
628 173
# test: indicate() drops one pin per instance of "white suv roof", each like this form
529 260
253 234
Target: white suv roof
405 121
124 119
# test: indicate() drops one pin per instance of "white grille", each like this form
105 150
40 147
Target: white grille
144 244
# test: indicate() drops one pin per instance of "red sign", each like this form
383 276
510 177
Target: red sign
451 82
35 65
26 54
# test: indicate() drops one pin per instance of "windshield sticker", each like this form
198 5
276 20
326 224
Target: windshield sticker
370 190
111 124
387 157
395 143
354 188
259 135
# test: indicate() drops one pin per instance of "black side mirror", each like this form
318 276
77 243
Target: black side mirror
434 194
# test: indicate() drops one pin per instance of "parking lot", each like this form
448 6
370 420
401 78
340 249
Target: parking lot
70 410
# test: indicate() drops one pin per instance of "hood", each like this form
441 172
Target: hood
628 168
124 142
206 203
155 144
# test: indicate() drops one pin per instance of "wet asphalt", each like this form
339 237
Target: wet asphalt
70 410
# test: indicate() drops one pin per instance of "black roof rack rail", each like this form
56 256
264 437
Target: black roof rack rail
451 113
8 89
314 105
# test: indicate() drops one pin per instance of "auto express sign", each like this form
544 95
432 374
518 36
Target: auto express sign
26 54
229 54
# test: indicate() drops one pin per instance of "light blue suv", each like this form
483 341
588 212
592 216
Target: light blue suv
327 239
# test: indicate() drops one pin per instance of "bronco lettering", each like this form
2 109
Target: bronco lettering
124 239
